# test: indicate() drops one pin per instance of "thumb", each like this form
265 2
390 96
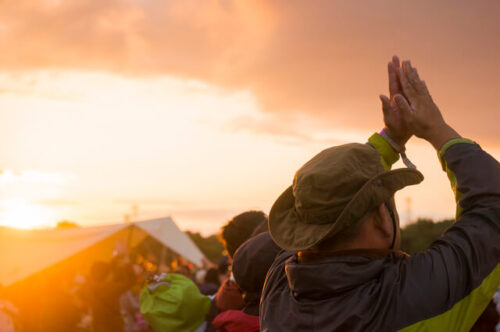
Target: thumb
405 108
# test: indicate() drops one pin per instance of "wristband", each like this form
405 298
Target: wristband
398 148
395 146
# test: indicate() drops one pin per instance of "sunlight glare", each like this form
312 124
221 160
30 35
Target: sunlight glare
19 213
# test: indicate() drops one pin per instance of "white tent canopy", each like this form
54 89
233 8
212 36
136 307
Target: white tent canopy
25 252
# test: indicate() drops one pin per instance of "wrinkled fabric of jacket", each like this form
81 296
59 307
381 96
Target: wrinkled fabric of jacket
445 288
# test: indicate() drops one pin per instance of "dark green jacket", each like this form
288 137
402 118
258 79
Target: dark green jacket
442 289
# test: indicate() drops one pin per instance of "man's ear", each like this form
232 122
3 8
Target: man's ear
382 220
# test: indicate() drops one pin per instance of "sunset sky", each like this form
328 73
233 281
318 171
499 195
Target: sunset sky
204 109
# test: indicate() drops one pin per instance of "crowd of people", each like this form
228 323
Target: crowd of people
225 298
103 296
328 258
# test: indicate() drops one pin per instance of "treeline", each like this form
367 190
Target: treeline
210 246
415 237
419 235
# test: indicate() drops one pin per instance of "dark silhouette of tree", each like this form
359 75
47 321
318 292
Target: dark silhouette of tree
415 237
65 224
419 235
210 246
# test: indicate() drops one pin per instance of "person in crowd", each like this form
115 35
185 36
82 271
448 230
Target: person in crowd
173 302
339 222
199 276
251 262
211 283
129 303
223 268
52 304
106 284
241 228
235 233
8 313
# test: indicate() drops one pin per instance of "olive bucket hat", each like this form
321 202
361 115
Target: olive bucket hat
333 191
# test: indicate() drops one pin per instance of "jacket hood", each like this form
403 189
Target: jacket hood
252 260
331 291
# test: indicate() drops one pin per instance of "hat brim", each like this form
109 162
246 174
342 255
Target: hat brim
292 234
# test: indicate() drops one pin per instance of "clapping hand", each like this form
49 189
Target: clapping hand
395 125
418 111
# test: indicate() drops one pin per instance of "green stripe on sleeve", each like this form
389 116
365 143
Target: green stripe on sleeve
458 195
463 315
451 175
447 145
387 154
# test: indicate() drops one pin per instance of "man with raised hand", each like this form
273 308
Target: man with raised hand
342 270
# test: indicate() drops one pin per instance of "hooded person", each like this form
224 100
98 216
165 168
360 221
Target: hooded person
211 283
234 233
251 262
338 221
174 303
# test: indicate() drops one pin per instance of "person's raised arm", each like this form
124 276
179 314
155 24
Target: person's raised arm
448 286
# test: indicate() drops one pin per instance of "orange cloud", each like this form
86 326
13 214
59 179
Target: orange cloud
326 59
